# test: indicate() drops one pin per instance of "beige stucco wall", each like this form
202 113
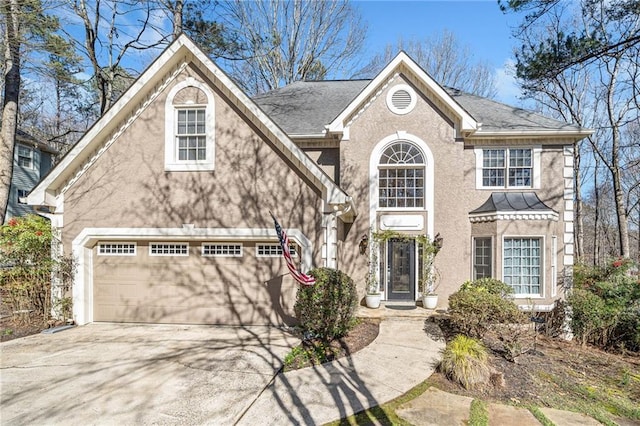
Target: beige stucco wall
455 193
127 187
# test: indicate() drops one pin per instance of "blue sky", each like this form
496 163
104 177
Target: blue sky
478 24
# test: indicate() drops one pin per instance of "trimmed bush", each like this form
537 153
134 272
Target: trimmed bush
326 310
465 360
482 303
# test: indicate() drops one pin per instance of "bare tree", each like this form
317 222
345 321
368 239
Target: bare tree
285 41
107 40
601 93
445 59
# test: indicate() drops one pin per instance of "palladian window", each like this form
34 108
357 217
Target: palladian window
401 176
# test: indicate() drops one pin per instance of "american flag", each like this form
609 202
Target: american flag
303 279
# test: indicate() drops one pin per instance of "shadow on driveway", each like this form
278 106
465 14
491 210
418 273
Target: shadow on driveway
131 373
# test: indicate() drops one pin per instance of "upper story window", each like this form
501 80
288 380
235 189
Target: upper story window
25 156
191 134
189 127
401 176
508 167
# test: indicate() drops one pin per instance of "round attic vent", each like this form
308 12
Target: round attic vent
401 99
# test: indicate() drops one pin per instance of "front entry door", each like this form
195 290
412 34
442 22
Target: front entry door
401 267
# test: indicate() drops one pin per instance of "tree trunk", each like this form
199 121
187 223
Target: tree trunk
177 18
614 166
596 218
10 102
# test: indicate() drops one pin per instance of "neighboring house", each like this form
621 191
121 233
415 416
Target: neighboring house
165 201
32 160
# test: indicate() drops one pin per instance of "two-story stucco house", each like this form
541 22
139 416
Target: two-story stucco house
32 160
165 201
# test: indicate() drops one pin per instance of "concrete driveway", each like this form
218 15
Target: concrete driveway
138 374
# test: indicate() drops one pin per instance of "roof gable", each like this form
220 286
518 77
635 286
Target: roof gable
159 74
403 64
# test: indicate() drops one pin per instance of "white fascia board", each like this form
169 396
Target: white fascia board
531 134
333 193
468 123
88 142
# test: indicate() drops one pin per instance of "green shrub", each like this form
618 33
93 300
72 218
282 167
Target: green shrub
605 305
326 309
25 253
482 303
465 360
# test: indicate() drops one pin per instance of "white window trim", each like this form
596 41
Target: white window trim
31 151
536 150
175 243
543 274
101 243
429 200
222 244
292 250
473 254
410 91
171 162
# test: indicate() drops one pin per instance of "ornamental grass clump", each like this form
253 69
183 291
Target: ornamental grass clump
465 361
326 310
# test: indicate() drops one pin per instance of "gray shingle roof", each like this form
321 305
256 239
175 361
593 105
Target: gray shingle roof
306 107
512 201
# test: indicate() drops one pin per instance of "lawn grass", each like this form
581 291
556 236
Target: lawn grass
479 413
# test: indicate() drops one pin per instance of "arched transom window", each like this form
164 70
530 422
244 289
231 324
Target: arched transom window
401 176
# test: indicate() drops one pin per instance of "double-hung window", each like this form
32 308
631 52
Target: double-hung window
25 157
507 168
522 265
189 127
191 134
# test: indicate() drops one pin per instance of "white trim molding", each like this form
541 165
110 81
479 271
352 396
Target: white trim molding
171 161
536 165
82 251
513 215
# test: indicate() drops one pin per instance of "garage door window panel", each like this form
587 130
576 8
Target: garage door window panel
273 250
169 249
116 249
222 250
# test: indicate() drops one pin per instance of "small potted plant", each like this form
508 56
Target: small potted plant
429 273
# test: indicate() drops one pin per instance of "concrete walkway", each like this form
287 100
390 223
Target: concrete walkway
403 355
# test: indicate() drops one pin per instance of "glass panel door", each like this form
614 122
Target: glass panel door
401 267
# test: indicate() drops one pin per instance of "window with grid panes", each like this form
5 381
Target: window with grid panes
401 176
482 262
191 134
169 249
522 265
25 156
507 167
273 250
222 250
